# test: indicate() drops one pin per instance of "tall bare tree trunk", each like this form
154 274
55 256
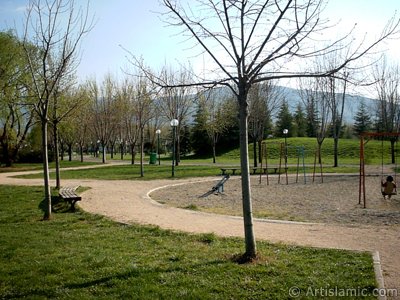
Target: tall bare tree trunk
336 152
69 152
103 153
178 147
81 152
112 150
132 154
214 150
259 151
319 148
251 249
62 150
141 152
46 177
392 150
57 156
255 152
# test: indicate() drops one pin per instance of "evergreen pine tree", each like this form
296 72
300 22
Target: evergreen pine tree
362 120
312 122
185 145
300 121
284 120
200 142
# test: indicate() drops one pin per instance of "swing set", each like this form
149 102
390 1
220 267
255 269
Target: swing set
283 156
364 139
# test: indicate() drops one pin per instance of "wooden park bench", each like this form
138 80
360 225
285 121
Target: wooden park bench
69 194
224 170
264 170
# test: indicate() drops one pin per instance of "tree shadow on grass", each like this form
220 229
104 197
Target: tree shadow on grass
107 281
143 271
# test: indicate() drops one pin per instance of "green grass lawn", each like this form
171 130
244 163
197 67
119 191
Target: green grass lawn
132 172
83 256
349 151
151 172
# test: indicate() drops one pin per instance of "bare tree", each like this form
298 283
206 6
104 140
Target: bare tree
122 109
176 101
55 28
387 77
264 100
143 108
315 97
218 114
333 89
336 104
103 117
250 41
81 122
64 101
128 128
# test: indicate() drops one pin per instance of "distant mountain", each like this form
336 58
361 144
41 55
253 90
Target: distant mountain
352 103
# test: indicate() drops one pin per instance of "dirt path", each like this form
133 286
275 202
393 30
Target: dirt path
128 201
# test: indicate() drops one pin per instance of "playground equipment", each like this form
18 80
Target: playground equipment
299 152
364 139
218 188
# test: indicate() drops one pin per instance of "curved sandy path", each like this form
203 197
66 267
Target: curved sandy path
128 202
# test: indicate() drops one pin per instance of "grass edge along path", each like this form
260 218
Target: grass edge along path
152 172
83 256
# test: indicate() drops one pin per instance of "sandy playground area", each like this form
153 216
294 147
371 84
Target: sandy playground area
333 201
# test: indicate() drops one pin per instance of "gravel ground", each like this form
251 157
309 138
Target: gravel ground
333 201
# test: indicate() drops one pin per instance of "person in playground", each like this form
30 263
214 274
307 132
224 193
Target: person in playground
389 187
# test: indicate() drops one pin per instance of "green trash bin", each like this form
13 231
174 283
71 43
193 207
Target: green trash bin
153 158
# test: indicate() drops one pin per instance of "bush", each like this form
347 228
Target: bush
33 156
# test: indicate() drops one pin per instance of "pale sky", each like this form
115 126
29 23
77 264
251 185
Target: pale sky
136 26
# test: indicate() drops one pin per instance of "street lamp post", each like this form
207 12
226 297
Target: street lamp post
285 132
158 132
174 123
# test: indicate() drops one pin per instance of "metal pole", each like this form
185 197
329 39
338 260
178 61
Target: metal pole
280 162
285 132
286 153
158 149
286 159
173 151
304 164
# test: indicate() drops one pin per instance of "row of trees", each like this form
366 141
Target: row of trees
250 43
117 114
37 69
126 114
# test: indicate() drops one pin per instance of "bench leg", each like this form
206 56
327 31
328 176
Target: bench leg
73 205
233 172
